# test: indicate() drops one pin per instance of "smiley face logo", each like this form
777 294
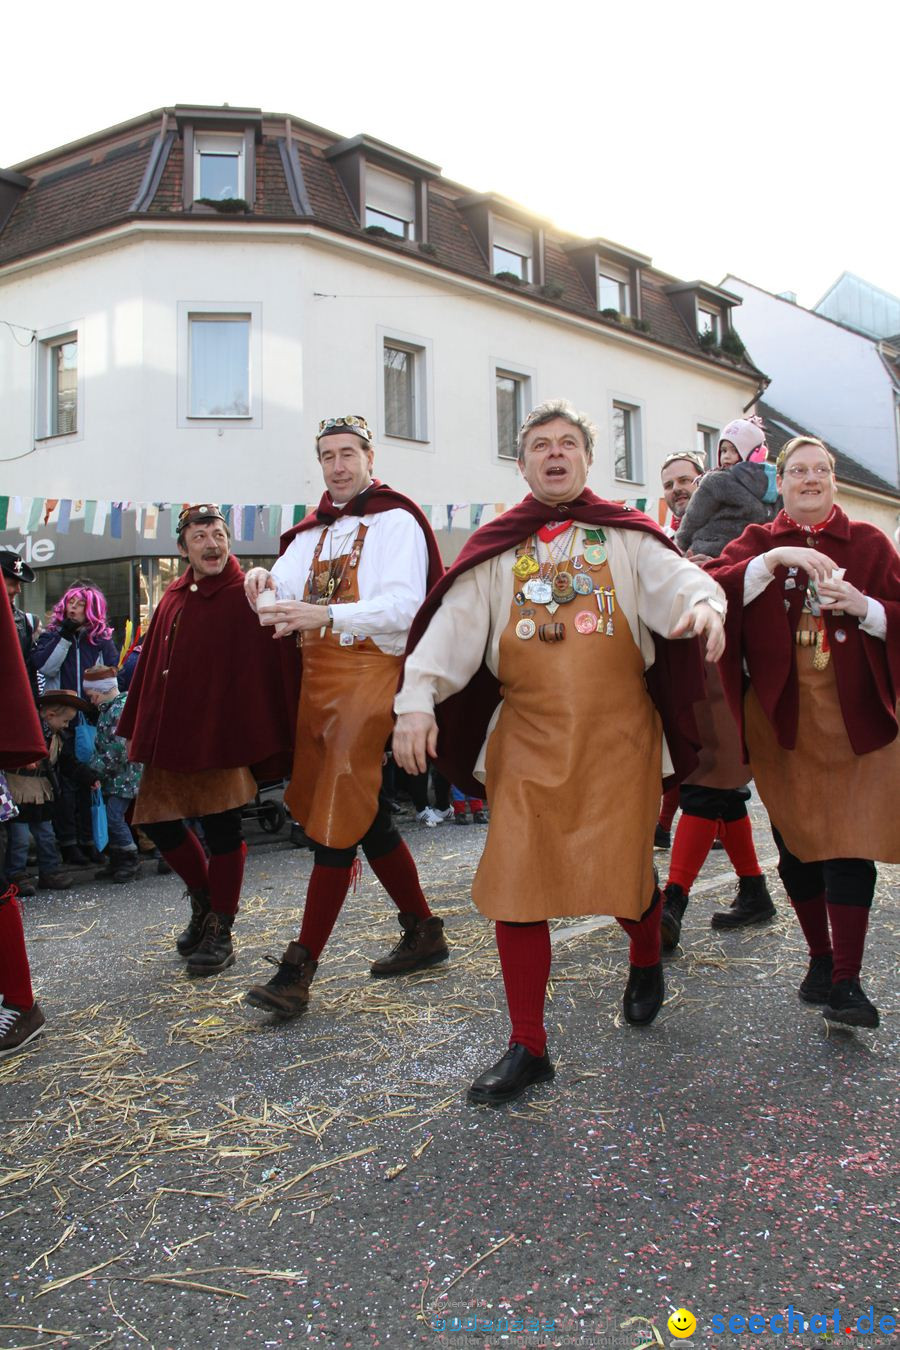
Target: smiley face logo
682 1323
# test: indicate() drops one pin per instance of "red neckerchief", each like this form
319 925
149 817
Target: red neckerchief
813 529
552 529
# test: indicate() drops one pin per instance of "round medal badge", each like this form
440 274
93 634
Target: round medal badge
583 585
540 592
585 621
525 629
595 554
563 588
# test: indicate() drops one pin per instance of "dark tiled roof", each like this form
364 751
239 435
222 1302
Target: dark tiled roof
90 186
76 199
780 429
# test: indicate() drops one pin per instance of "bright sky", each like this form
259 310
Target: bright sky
756 139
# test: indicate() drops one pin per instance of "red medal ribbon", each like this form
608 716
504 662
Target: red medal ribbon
550 531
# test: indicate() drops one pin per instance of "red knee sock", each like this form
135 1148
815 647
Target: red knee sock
812 917
189 861
15 978
325 896
645 947
226 872
525 961
667 808
397 873
737 836
848 938
693 840
476 804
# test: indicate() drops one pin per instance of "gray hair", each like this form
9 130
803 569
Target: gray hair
547 411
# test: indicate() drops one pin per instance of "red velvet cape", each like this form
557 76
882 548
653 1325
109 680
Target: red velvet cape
675 680
370 502
222 704
866 670
21 738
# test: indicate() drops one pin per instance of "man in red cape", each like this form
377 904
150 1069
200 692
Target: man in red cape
21 742
812 672
528 669
208 718
350 578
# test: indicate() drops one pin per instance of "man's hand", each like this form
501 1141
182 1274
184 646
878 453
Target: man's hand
836 593
817 566
701 559
703 621
415 739
294 616
256 581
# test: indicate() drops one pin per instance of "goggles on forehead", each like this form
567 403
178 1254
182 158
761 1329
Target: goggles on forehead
198 515
357 425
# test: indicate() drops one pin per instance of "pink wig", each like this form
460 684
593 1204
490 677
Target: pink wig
94 612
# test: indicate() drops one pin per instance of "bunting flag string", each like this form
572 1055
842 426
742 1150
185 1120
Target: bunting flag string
248 522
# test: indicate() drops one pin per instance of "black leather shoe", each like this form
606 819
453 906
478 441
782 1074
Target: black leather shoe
662 838
674 905
848 1005
644 994
751 904
510 1076
816 986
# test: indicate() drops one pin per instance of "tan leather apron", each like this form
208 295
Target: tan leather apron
825 800
573 773
344 720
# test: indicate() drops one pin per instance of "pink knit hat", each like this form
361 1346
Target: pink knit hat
748 436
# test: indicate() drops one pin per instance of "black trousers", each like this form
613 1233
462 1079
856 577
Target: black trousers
713 803
223 832
380 838
845 881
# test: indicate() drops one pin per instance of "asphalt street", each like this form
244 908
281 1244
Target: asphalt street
178 1170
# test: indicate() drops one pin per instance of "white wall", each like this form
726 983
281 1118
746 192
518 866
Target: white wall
320 356
828 379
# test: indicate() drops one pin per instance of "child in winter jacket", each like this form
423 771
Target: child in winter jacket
119 778
740 492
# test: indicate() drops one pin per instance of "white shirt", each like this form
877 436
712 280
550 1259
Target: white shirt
757 577
392 574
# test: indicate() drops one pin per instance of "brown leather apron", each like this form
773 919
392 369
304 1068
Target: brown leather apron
573 773
824 799
344 720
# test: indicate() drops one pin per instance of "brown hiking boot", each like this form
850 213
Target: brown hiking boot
188 941
287 993
215 951
18 1027
421 945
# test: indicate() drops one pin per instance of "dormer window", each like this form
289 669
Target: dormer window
613 288
709 324
512 249
218 166
390 202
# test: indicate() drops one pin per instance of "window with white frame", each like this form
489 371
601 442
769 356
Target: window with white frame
707 439
390 202
626 441
405 387
57 385
513 249
218 166
219 365
709 322
513 397
613 288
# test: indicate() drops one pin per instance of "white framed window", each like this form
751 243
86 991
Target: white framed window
404 391
390 202
707 439
512 249
625 438
59 383
219 364
613 288
218 166
513 399
709 321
